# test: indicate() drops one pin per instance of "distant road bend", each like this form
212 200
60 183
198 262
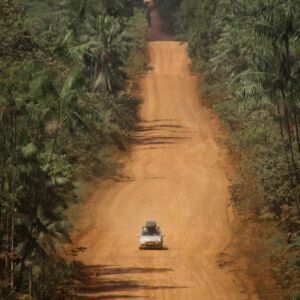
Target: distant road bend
175 175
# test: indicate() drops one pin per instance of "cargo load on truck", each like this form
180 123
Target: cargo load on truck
151 225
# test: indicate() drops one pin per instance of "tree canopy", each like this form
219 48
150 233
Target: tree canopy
65 105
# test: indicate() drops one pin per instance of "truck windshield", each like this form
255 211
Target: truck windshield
151 233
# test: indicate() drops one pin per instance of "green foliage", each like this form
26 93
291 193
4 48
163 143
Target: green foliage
64 108
248 54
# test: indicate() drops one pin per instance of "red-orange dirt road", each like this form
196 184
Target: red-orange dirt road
176 175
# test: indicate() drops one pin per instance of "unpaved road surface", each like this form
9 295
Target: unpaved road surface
176 175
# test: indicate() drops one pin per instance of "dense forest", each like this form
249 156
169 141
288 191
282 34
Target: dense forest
248 55
66 106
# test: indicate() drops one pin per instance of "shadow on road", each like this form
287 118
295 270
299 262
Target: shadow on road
105 282
152 249
158 133
159 30
115 297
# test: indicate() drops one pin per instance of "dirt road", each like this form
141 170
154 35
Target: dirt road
176 175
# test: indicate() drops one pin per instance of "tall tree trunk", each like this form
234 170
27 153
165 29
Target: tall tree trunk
290 137
291 175
297 132
283 142
56 132
91 83
6 241
11 188
29 281
12 249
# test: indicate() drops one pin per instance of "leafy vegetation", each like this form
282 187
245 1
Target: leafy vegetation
65 105
249 55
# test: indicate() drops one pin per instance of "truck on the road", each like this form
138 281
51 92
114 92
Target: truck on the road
151 236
